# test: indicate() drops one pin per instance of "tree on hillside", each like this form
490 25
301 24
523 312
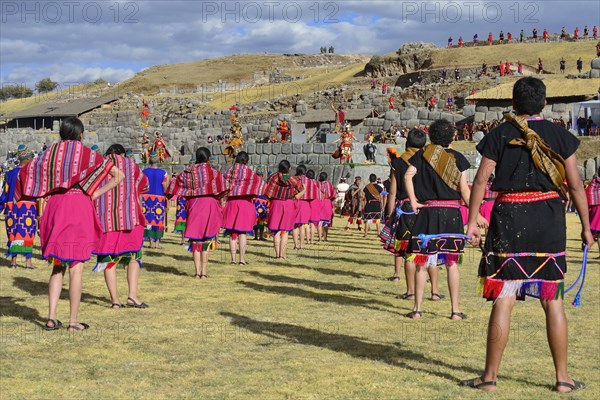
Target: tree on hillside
3 94
15 92
100 81
45 85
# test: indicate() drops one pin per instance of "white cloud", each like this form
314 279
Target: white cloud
180 31
66 74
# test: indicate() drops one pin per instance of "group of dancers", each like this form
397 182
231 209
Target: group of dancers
93 208
524 251
106 206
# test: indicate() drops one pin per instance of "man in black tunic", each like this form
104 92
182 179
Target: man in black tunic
524 252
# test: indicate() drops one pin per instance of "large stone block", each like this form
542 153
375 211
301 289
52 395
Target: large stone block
590 168
595 74
469 110
272 159
301 159
390 115
324 159
481 109
491 115
267 148
595 64
318 148
412 123
581 171
559 107
307 148
276 148
264 159
479 116
251 148
387 124
330 147
296 148
423 113
286 148
259 148
433 115
409 113
447 116
313 159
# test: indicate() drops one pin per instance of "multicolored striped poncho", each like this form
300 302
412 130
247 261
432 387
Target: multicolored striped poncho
312 189
120 209
327 190
283 187
593 192
242 181
62 166
197 180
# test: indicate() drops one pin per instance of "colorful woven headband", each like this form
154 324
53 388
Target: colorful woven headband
154 158
23 153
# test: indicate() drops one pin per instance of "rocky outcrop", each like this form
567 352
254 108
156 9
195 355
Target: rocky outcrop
410 57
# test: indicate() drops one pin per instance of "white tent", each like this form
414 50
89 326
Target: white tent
590 108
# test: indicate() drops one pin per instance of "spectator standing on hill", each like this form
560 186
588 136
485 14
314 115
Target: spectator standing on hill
545 35
507 68
456 73
475 39
576 34
595 32
501 67
443 76
579 64
509 37
535 34
540 66
586 32
562 65
519 68
384 88
501 37
450 41
460 41
490 38
521 36
563 34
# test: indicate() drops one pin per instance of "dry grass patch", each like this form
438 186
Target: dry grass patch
324 324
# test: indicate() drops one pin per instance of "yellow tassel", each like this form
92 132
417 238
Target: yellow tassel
480 285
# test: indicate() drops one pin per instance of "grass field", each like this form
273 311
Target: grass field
324 324
527 53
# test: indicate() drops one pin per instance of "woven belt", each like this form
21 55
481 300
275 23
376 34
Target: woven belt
442 204
526 197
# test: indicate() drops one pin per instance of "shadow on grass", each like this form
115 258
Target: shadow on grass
10 308
164 269
40 288
353 346
326 271
322 297
307 282
392 354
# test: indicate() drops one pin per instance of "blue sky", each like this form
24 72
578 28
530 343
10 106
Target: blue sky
79 41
